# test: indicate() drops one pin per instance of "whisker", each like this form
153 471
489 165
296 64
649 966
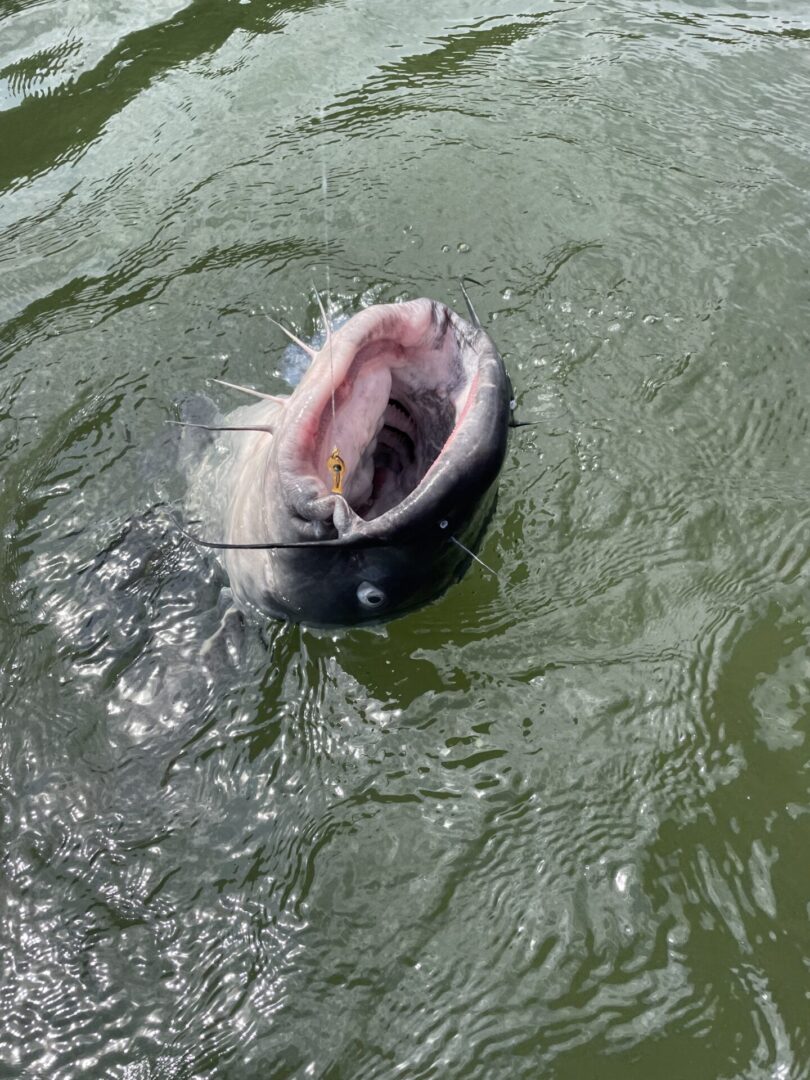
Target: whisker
296 340
472 554
324 317
249 390
222 427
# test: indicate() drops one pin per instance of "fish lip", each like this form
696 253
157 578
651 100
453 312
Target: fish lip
469 459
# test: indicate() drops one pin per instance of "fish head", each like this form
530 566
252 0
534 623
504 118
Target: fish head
414 403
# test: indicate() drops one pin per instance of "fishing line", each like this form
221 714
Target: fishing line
325 194
335 463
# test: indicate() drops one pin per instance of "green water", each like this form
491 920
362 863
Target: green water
551 825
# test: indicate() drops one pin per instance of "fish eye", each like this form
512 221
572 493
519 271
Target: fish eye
370 596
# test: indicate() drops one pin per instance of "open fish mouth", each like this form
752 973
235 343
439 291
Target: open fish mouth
411 397
355 497
394 412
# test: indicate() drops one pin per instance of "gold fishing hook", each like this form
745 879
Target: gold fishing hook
337 467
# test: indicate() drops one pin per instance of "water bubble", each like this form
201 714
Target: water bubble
445 248
506 294
463 249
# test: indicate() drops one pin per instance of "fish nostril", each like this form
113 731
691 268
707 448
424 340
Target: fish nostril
369 595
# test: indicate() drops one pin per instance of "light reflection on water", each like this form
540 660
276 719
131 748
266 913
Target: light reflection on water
553 823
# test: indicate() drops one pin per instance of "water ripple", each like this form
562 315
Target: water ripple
555 821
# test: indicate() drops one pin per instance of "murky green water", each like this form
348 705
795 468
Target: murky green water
550 826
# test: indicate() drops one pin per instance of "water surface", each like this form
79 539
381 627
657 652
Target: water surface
552 824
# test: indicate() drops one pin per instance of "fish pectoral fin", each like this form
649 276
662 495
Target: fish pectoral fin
224 644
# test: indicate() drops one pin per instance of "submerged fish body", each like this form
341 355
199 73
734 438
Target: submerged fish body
416 401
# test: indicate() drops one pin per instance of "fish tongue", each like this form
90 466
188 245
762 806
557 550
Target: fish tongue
360 418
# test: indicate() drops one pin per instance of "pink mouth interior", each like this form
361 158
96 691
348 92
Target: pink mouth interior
394 413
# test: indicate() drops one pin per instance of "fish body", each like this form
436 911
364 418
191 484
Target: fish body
415 401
